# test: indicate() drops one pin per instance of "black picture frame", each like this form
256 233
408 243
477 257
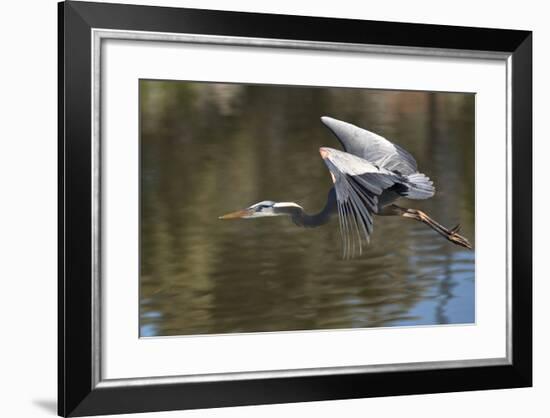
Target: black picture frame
77 392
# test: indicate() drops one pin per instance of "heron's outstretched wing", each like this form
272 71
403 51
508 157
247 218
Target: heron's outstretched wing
371 147
358 184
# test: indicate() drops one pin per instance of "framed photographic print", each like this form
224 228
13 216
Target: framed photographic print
390 164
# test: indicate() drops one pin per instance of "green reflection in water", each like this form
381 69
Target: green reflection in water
208 149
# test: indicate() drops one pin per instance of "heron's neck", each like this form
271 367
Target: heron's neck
303 219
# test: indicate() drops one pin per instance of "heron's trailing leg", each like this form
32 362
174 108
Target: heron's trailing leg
450 234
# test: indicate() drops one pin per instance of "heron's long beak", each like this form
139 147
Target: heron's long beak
238 214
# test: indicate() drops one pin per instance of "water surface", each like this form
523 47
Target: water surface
208 149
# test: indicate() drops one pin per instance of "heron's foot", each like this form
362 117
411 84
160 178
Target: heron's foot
458 239
451 235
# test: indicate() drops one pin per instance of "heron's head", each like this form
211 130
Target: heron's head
263 209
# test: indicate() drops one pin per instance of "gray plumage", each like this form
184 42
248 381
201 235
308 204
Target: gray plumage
371 147
371 174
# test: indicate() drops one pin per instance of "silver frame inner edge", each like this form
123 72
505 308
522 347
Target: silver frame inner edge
98 35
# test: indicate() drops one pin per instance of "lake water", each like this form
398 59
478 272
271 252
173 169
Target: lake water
208 149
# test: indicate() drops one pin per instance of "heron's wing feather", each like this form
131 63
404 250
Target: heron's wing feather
358 184
371 147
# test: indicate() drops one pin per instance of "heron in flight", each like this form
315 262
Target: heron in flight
369 176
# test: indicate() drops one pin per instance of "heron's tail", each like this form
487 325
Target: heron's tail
419 186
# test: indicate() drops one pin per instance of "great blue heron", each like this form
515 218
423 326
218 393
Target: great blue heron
368 178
